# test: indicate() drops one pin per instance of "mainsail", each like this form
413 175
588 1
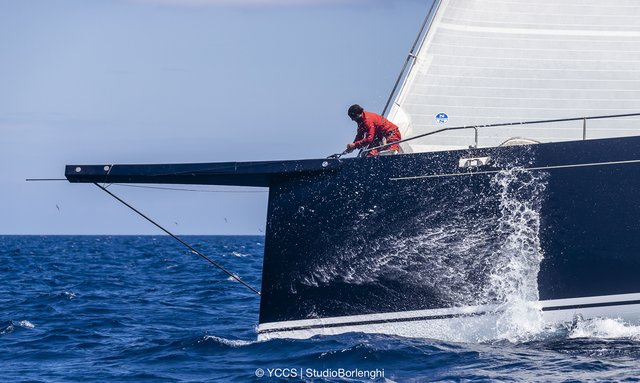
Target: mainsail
494 61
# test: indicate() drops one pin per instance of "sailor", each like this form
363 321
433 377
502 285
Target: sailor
373 130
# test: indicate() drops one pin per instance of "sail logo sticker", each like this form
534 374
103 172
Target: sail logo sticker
442 118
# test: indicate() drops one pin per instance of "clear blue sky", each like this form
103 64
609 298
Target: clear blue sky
160 81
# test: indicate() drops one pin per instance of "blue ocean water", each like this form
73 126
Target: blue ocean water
143 309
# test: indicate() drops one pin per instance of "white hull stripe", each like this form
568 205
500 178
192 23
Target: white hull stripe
377 321
526 169
590 305
446 316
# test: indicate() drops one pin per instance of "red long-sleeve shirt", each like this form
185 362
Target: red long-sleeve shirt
372 129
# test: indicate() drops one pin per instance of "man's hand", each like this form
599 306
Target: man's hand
350 148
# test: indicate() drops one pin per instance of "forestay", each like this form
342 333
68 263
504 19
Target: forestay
493 61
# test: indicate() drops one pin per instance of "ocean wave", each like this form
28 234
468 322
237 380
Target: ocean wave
7 329
10 326
164 322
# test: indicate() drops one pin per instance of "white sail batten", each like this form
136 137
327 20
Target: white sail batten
498 61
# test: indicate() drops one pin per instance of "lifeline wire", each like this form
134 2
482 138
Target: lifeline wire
179 240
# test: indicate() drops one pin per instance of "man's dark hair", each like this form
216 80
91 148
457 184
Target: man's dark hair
355 110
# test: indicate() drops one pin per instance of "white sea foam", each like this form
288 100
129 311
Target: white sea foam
229 342
604 328
69 295
25 324
232 279
238 254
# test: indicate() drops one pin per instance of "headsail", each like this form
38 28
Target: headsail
494 61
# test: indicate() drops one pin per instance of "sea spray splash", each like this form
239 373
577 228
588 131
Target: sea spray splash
447 251
513 280
463 241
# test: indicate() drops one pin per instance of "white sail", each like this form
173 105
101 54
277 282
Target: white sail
495 61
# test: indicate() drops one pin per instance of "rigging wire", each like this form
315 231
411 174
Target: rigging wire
45 179
179 240
161 187
191 190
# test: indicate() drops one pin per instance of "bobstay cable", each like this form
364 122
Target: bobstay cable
179 240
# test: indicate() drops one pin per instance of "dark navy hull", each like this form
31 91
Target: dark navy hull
359 240
363 244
